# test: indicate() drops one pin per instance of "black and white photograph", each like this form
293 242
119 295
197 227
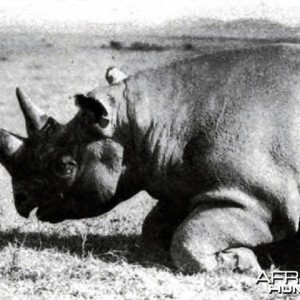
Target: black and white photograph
149 150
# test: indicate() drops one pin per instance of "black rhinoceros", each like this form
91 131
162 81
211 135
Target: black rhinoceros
216 139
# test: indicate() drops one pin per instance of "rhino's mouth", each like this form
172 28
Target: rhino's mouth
43 213
51 211
49 214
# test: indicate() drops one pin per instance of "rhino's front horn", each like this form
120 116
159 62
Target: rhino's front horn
9 144
35 118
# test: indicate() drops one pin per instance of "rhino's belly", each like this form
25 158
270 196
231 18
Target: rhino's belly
214 176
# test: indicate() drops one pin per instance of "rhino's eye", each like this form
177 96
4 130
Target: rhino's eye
65 166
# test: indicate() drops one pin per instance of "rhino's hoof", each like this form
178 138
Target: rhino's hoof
239 260
189 260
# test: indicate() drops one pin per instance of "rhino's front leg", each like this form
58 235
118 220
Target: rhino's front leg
220 235
159 226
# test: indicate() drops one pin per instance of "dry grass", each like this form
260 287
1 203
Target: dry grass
98 258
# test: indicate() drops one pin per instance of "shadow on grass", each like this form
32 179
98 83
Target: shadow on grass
284 254
107 248
115 248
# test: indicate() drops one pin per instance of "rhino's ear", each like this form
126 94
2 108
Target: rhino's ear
9 144
115 76
95 112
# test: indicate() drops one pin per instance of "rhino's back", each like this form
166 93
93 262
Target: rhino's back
223 89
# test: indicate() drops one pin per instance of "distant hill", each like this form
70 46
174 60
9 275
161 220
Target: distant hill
241 28
211 28
182 27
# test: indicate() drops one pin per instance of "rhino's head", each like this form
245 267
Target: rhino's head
68 171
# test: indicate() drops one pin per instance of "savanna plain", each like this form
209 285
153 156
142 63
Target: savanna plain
102 257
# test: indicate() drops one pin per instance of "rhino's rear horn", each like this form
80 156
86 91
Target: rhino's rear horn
35 118
9 144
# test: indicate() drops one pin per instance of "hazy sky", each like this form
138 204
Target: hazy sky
41 12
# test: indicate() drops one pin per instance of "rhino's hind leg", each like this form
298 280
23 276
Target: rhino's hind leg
159 226
213 238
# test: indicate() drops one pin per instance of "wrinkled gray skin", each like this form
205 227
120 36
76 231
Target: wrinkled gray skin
216 139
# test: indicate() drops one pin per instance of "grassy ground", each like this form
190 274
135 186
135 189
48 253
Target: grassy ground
99 258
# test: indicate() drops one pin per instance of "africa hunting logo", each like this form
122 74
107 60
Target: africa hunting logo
281 282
